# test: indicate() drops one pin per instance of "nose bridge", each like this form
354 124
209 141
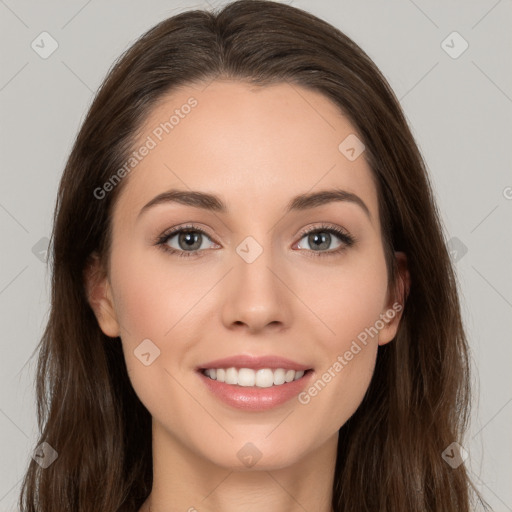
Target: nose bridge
255 296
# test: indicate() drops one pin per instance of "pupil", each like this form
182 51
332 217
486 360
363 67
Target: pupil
324 238
190 239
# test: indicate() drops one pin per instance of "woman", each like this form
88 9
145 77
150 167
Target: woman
252 304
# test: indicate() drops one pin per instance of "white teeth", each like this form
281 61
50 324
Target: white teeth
246 377
279 376
290 374
263 378
231 376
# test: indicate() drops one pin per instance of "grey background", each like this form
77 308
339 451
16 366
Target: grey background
459 110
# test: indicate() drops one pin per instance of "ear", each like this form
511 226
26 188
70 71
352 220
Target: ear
99 296
392 314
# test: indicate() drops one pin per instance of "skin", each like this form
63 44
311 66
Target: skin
256 148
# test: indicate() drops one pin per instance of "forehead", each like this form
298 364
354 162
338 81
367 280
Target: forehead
247 144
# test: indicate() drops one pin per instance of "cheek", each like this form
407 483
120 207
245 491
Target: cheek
350 306
151 297
349 299
152 302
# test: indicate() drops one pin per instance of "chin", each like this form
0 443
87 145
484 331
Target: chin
253 455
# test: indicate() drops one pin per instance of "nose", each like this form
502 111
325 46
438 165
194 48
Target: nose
255 296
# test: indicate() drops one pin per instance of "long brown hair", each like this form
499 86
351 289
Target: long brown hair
390 450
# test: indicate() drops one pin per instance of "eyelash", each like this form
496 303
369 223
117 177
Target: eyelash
347 240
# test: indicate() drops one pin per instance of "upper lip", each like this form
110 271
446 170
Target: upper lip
254 362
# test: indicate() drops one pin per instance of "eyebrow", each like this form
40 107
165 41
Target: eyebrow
213 203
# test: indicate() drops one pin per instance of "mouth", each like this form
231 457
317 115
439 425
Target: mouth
255 390
257 378
255 382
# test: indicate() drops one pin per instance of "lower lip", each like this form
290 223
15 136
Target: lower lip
254 398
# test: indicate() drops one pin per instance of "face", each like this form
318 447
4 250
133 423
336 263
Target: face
247 275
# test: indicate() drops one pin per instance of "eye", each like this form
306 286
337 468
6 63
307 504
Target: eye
184 241
190 241
320 240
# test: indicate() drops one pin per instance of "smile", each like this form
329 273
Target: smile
254 389
247 377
